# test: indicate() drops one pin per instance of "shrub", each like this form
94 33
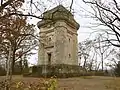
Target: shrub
2 71
62 71
117 70
99 73
50 84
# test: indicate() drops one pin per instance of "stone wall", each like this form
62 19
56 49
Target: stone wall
58 70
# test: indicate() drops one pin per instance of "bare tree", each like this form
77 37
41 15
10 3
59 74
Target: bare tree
115 58
108 13
84 51
102 48
95 52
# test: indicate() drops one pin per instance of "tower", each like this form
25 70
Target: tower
58 38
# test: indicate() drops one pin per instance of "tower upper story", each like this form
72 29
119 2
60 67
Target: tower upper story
56 14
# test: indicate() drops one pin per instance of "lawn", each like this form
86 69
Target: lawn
78 83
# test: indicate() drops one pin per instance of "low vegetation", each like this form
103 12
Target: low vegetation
40 84
113 84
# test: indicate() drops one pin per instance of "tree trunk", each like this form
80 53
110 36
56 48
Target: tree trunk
8 77
84 65
21 66
102 61
13 61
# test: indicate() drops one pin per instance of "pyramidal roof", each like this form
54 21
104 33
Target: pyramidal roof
59 8
58 13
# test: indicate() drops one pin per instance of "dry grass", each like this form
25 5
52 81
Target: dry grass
78 83
113 84
29 83
86 77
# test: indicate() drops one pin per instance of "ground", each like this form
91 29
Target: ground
78 83
84 83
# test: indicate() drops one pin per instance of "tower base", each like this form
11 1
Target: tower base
58 70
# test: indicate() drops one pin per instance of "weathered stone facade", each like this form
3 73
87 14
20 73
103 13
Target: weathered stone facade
58 38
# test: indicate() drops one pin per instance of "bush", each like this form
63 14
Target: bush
59 70
99 73
2 71
50 84
62 71
117 70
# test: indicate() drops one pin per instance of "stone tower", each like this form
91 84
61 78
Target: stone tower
58 38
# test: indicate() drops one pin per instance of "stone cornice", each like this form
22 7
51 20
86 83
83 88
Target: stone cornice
52 30
47 31
56 14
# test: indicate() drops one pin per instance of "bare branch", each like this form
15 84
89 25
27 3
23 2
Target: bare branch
116 4
5 4
71 5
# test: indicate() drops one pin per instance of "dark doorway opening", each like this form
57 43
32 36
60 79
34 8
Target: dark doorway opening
49 58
